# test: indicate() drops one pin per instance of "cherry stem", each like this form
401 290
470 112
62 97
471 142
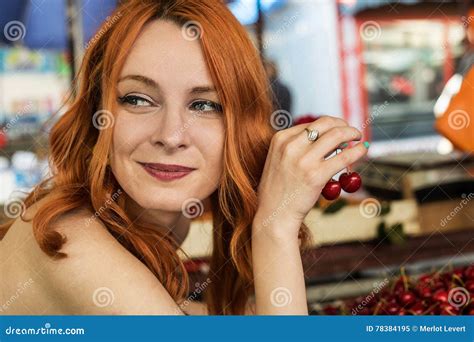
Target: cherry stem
456 277
379 305
430 308
404 277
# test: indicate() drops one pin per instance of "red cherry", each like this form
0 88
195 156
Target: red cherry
402 312
440 296
370 302
469 286
399 285
392 299
417 309
392 309
439 285
424 291
426 278
469 272
331 310
407 298
350 181
365 311
331 190
448 309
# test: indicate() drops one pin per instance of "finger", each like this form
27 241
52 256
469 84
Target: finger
298 143
331 140
347 157
322 124
339 148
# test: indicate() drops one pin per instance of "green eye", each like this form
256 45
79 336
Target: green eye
135 101
206 106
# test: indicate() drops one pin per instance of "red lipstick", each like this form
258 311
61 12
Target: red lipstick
166 172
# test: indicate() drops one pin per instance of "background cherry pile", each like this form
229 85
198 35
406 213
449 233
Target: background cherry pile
427 295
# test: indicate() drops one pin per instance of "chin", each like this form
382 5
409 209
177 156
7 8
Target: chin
160 202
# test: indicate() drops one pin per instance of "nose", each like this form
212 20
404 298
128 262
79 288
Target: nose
170 133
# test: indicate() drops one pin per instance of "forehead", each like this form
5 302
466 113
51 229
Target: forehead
162 53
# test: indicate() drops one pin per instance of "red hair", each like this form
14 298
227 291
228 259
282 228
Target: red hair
81 177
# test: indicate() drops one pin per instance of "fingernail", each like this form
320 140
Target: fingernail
344 145
366 144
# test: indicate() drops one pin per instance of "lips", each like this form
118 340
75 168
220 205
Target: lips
166 172
168 167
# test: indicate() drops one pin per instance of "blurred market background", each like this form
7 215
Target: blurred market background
397 70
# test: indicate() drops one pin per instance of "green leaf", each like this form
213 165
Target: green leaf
381 231
396 234
385 208
334 207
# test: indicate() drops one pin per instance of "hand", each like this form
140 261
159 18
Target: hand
296 171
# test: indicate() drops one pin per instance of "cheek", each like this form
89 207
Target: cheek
211 144
126 136
128 133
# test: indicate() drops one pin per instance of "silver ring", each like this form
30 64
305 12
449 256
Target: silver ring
313 134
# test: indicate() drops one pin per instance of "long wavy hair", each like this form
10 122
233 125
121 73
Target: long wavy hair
81 177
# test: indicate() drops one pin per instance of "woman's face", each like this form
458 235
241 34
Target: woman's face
168 113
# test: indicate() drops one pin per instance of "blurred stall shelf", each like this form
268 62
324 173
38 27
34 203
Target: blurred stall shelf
37 144
426 177
351 269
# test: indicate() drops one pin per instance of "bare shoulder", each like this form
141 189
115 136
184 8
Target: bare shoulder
100 276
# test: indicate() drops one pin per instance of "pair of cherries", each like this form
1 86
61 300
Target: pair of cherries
348 181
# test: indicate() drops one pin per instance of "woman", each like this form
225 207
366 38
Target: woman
172 109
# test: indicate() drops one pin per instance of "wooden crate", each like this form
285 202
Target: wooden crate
449 215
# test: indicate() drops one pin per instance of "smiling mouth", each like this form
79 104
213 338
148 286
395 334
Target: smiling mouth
168 167
166 172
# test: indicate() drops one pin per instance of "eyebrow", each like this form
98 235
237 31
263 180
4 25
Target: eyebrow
151 83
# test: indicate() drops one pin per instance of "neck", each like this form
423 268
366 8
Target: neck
171 223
